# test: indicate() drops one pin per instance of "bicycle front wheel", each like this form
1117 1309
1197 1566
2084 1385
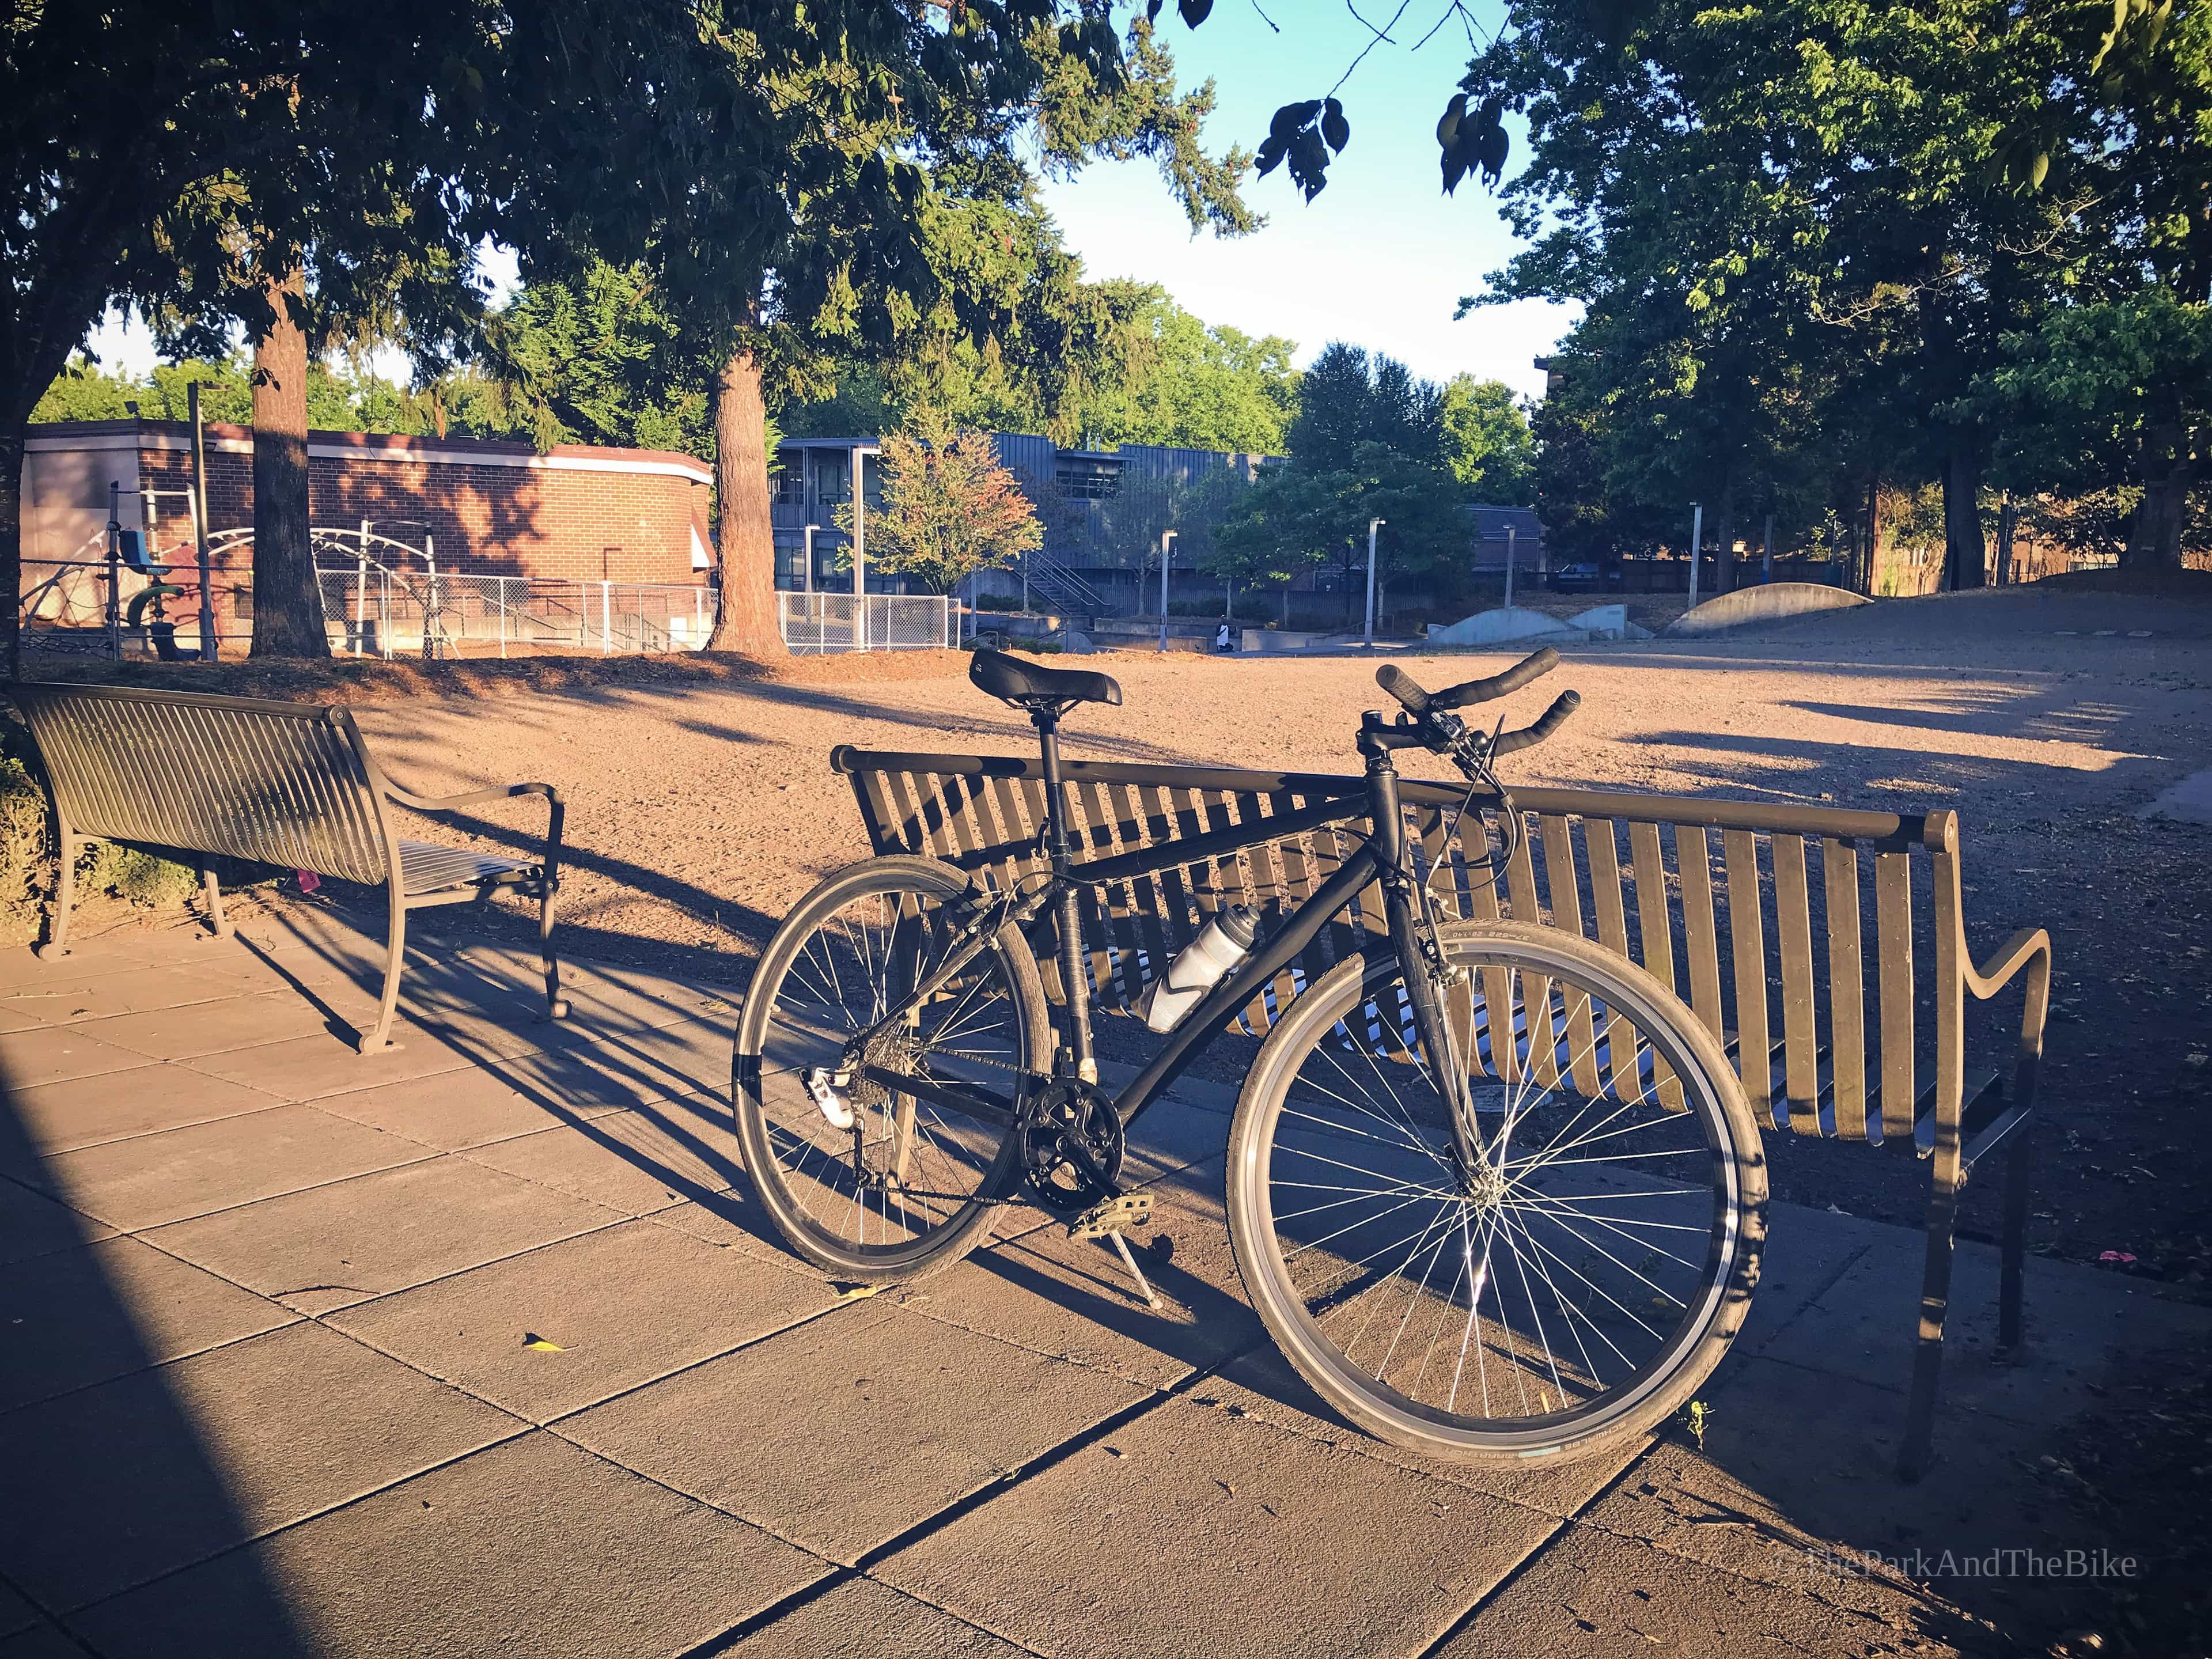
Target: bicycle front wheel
1561 1280
877 1184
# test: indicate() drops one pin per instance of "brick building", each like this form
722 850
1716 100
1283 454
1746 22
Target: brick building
489 507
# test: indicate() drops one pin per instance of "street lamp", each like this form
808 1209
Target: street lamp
1373 524
1167 546
806 571
1697 546
861 547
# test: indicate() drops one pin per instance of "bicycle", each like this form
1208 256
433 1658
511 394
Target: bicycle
1495 1192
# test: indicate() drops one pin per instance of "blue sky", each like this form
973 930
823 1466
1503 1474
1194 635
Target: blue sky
1380 258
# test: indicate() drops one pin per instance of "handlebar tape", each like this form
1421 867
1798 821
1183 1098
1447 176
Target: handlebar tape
1534 666
1401 684
1552 719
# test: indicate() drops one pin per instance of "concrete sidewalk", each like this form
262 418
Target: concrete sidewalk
480 1346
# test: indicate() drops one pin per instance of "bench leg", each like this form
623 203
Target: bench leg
555 1004
394 959
1928 1357
2016 1238
58 928
212 890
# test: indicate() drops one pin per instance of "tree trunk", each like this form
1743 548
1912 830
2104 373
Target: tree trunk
1965 556
2154 527
1724 548
744 563
11 547
2008 529
287 611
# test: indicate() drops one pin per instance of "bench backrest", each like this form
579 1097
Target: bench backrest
1791 931
280 783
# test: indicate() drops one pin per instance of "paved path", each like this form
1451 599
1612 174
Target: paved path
478 1347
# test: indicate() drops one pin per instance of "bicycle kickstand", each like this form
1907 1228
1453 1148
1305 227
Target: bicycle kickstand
1106 1221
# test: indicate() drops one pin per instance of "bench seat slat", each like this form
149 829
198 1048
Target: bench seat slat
1839 869
1793 927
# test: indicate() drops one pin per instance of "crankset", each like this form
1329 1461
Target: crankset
1072 1147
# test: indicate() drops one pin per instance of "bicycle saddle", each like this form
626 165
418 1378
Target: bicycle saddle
1020 682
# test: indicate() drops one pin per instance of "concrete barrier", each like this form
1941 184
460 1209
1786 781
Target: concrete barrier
1494 627
1773 602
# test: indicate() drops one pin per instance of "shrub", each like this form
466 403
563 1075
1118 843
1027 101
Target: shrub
143 880
998 602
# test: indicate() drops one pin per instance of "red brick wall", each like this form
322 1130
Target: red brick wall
618 522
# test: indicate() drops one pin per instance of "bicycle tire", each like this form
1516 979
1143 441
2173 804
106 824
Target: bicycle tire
1675 1045
769 1106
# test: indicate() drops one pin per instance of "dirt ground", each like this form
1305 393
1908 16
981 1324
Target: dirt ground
701 806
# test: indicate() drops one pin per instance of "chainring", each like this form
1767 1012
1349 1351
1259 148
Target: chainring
1067 1114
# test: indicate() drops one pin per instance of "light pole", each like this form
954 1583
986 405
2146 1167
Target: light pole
806 572
1512 530
1373 524
860 546
1167 547
1697 545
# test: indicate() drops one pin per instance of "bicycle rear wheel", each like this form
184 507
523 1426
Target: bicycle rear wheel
908 1185
1569 1291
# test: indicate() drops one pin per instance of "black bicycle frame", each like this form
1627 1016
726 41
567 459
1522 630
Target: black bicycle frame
1379 858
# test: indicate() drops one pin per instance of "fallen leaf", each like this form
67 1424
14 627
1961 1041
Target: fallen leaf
538 1344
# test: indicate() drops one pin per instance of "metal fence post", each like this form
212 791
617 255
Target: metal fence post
501 602
606 589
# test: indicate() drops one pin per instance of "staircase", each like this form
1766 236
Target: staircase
1061 588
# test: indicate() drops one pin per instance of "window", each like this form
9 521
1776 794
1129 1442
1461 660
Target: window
789 479
828 479
1084 480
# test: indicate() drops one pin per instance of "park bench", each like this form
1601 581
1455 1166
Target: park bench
285 784
1800 939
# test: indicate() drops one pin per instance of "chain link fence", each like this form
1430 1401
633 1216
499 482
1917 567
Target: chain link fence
378 612
371 610
815 623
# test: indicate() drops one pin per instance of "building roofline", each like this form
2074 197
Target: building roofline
50 436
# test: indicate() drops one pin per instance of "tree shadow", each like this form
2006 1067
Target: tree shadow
88 1386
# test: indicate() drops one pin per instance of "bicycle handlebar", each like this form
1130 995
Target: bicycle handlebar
1551 721
1399 684
1422 704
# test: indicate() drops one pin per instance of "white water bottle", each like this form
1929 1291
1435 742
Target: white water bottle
1224 941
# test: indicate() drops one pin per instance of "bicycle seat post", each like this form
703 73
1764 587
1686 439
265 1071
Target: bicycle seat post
1077 1056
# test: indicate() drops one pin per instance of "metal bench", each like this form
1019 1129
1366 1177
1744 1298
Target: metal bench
1798 940
278 783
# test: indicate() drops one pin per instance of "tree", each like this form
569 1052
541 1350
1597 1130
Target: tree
2114 389
949 508
1787 221
867 198
1176 380
1367 442
1487 443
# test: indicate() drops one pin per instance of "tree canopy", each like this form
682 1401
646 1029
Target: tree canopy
1816 242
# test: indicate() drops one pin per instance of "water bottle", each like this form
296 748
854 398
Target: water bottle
1224 941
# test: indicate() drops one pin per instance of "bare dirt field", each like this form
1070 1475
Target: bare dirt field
702 805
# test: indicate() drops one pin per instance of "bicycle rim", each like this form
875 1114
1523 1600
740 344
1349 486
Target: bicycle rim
911 1183
1573 1289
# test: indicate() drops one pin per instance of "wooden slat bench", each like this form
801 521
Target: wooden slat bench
278 783
1827 947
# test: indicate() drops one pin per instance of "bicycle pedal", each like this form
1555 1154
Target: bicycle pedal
1129 1210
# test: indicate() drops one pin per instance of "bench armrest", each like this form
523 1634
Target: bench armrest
447 803
1985 980
557 811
